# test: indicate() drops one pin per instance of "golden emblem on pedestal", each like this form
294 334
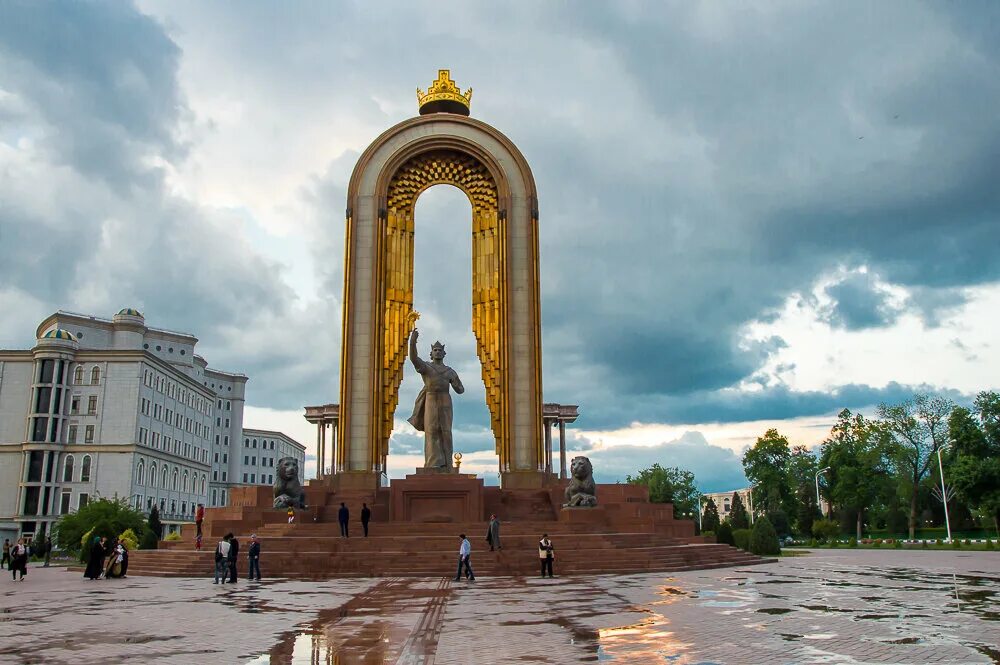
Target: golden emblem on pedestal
444 96
458 461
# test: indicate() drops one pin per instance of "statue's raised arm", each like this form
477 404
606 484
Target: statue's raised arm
418 363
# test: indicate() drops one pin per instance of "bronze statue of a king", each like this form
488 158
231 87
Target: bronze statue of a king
432 412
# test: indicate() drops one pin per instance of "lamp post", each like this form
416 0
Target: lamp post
751 504
699 513
819 503
944 491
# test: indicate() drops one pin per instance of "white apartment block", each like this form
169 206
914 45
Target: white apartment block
113 408
260 454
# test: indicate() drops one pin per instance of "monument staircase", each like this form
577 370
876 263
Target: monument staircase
415 533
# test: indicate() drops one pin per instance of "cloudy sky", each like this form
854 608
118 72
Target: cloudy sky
752 215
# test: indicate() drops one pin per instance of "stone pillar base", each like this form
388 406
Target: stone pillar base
526 480
437 497
353 480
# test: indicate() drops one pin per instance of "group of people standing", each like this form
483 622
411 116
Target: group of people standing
344 519
227 557
546 551
106 559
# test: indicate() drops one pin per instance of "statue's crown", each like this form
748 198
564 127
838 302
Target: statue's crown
437 345
444 96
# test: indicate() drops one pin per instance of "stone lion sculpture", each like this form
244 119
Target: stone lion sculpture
288 492
581 491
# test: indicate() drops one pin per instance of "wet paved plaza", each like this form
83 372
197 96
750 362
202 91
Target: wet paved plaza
834 606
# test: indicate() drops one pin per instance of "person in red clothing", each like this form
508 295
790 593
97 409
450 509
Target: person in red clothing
199 517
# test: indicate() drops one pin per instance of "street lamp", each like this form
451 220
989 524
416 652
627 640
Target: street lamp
751 504
819 504
699 513
944 491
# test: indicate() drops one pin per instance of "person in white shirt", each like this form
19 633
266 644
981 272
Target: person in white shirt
222 560
464 554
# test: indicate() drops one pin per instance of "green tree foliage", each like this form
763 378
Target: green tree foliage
725 534
710 518
766 464
741 538
824 529
764 539
802 467
154 524
974 463
670 485
738 516
919 427
779 520
808 511
101 517
858 452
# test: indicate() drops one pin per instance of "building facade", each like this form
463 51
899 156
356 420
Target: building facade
113 408
723 501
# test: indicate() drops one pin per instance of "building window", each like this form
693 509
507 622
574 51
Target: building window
140 472
222 496
88 436
163 477
64 502
78 375
85 469
214 496
225 458
246 459
246 443
176 476
215 476
83 501
253 477
92 405
270 479
152 475
244 477
71 436
95 376
185 481
204 478
254 445
74 405
223 479
225 441
68 469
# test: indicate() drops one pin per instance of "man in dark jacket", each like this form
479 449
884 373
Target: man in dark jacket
343 515
234 550
366 515
254 555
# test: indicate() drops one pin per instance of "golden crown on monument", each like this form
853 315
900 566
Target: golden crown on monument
444 96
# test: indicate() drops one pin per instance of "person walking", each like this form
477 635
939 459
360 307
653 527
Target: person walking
366 516
234 552
253 554
291 515
19 559
493 533
343 516
465 559
546 552
199 517
48 552
222 559
95 562
5 562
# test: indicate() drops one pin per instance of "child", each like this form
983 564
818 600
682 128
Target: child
197 542
291 515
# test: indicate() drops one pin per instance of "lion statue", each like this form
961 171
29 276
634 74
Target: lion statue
581 491
288 492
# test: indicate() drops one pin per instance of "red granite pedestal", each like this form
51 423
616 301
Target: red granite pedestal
437 497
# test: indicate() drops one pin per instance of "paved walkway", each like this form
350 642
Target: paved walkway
837 606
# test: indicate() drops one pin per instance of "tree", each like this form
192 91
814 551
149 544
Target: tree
802 467
101 517
738 517
710 518
766 465
919 427
670 485
858 454
974 471
763 538
808 511
155 526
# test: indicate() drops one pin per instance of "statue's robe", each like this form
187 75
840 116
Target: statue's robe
432 412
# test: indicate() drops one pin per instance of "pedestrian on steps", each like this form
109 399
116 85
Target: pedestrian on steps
464 559
222 559
343 516
493 533
234 553
366 515
546 552
254 555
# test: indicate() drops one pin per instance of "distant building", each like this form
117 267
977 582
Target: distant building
260 454
723 501
111 407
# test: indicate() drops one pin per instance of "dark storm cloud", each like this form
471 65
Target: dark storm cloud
859 304
695 166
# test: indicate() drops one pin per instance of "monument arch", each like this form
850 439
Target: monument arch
442 147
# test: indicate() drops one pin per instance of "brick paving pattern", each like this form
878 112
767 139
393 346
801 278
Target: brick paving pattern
840 606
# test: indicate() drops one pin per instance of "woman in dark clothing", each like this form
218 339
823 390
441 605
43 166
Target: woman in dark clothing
19 559
95 565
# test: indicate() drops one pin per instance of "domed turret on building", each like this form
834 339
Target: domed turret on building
59 333
128 311
57 343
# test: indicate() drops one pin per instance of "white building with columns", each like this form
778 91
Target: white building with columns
111 407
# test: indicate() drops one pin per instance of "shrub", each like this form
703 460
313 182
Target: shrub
149 541
956 544
779 521
968 542
725 534
708 534
812 543
939 542
898 544
101 517
764 539
853 542
741 538
989 544
173 536
877 543
826 529
129 539
923 544
834 543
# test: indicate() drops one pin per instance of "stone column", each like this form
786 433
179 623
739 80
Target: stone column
548 445
333 447
562 450
319 449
